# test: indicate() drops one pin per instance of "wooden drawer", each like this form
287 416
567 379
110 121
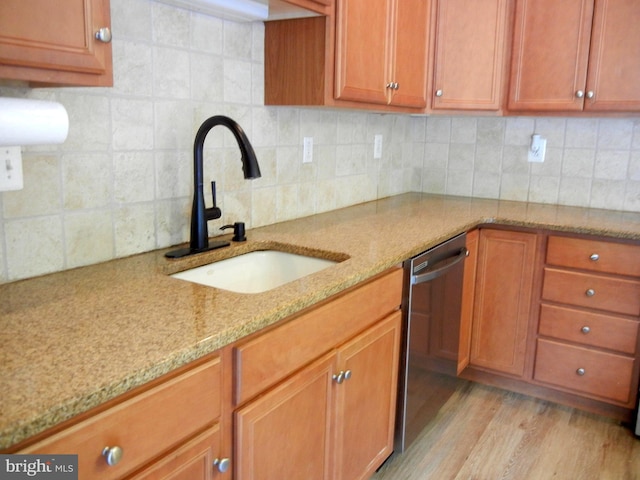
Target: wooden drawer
598 330
616 258
266 359
606 375
144 426
192 461
609 293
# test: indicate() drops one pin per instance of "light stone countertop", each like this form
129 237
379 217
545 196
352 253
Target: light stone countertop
75 339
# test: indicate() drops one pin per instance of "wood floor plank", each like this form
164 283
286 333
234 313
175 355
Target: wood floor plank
484 433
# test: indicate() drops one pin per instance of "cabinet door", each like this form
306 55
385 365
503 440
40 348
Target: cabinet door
614 64
54 42
469 54
285 434
468 294
502 306
410 53
366 399
550 54
363 30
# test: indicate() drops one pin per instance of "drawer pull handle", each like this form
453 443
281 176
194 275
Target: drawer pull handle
590 293
581 371
585 329
112 455
222 464
594 257
347 375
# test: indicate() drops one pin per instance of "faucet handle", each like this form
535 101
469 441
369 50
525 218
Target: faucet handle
213 192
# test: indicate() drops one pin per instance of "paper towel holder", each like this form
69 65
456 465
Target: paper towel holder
23 122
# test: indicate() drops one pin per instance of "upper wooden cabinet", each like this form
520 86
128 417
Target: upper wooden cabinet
381 51
55 42
575 55
365 54
469 54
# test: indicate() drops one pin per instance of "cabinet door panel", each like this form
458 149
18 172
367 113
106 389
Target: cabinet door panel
365 403
614 64
503 300
410 53
468 295
286 432
469 54
550 54
362 50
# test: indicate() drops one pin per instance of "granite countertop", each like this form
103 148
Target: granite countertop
75 339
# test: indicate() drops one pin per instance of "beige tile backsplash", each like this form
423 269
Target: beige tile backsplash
121 184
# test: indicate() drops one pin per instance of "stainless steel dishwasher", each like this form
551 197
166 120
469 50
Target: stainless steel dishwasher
431 309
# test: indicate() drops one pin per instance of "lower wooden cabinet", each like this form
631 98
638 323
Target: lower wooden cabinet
502 306
170 431
556 316
589 319
333 420
325 406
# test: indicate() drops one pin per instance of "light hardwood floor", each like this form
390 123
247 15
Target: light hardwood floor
484 433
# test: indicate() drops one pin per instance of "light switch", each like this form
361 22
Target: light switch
10 169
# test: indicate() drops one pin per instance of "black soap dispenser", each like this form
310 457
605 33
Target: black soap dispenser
238 231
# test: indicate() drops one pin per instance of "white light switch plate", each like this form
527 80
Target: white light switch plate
377 146
307 153
10 169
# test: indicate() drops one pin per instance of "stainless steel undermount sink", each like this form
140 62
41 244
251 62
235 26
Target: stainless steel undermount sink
256 271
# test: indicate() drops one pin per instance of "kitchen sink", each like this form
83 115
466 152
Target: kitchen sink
255 272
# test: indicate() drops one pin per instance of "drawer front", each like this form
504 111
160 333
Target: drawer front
592 291
604 375
594 329
598 256
143 426
270 357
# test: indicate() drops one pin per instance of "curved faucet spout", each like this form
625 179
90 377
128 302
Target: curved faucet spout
199 213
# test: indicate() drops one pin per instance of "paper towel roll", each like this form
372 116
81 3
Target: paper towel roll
32 122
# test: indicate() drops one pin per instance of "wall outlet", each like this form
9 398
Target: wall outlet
307 150
10 169
377 146
537 148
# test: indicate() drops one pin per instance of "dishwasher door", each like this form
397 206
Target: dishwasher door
431 336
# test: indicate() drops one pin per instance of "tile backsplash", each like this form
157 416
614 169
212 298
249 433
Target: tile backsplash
121 184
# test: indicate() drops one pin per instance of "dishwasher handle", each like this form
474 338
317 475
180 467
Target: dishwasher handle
437 272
